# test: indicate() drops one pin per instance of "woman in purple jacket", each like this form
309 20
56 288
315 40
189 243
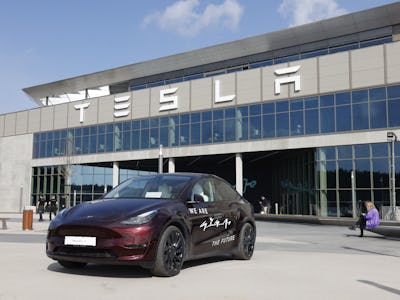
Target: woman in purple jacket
367 220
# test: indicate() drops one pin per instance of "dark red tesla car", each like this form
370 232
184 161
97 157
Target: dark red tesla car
157 222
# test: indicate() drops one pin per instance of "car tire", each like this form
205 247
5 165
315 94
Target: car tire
170 253
72 264
246 242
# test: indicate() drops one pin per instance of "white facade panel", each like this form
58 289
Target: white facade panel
393 62
9 124
105 109
201 94
34 120
21 126
308 73
334 72
47 118
249 86
141 104
367 67
60 116
268 83
2 117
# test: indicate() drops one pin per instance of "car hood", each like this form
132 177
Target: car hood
110 210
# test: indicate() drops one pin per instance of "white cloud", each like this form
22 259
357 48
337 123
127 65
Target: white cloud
306 11
185 18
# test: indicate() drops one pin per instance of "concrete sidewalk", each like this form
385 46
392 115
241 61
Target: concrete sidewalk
14 224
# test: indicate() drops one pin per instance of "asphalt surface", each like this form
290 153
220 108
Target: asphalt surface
291 261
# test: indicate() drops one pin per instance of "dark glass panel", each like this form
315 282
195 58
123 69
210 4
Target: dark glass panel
343 98
206 116
242 111
361 151
311 119
164 121
380 150
393 110
206 132
381 172
127 126
144 139
377 94
268 108
109 142
296 104
378 114
363 173
218 131
345 152
345 204
282 124
184 119
296 123
268 126
359 96
345 167
242 128
331 173
218 114
230 113
393 91
195 133
360 116
331 203
314 53
126 140
282 106
195 117
164 136
144 123
327 100
136 139
230 134
255 110
154 122
255 127
327 153
184 135
327 120
343 118
154 139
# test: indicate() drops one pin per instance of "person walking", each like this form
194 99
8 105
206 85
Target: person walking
53 206
367 220
40 206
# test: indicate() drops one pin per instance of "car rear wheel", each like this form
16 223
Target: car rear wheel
247 240
72 264
170 253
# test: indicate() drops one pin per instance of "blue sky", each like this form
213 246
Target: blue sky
43 41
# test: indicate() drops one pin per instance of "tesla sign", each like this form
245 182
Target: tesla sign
169 99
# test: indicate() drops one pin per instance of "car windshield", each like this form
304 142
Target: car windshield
158 186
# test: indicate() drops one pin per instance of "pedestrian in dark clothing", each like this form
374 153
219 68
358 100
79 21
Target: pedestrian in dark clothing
53 206
40 206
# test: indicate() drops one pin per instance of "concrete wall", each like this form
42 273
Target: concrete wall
15 172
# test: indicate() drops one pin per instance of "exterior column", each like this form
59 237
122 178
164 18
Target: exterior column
115 173
171 165
239 173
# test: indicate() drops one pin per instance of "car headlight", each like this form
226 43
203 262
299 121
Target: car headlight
140 219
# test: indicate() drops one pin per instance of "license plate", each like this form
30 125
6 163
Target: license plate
80 240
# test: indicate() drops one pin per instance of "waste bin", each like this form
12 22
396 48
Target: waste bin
27 219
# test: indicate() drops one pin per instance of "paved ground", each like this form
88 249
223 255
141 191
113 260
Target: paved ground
291 261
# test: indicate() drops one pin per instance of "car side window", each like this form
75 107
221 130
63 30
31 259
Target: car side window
224 192
204 188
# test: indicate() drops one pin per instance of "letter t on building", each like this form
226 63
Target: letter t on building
81 107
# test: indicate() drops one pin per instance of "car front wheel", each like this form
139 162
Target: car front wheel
170 253
247 240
